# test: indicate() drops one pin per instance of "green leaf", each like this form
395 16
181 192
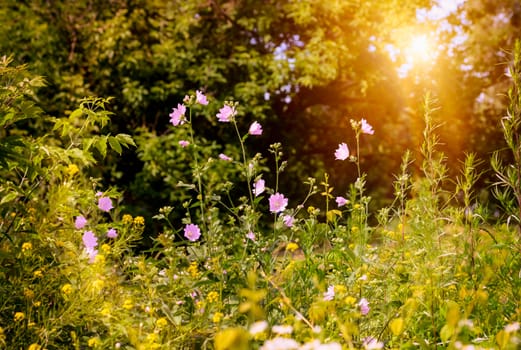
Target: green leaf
101 146
114 144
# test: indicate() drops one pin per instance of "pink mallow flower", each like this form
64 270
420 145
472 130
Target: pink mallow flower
288 220
342 152
90 241
192 232
255 129
200 98
226 113
112 233
105 203
329 294
80 222
223 156
366 127
177 117
251 236
364 306
258 187
340 201
277 202
184 143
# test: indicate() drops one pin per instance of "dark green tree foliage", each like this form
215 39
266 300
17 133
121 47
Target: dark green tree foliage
303 69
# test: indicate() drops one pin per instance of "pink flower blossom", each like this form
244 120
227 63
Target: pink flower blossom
223 156
177 117
329 294
80 222
282 329
288 220
258 187
192 232
366 127
200 98
226 113
342 153
251 236
279 343
277 202
92 253
364 306
258 327
99 194
340 201
112 233
371 343
183 143
90 241
255 129
105 203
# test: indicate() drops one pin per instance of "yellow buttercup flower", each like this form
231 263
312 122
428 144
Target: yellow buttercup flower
19 316
139 221
34 346
127 219
72 169
27 246
128 304
212 297
291 246
217 317
66 289
93 342
161 322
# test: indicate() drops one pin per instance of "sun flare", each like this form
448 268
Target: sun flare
420 50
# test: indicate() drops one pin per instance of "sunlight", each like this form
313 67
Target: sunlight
419 49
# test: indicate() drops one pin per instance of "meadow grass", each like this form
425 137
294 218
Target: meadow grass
250 268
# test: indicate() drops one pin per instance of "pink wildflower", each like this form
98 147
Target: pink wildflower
183 143
80 222
192 232
288 220
226 113
277 202
89 240
340 201
342 152
329 294
255 129
251 236
364 306
112 233
223 156
177 117
366 127
105 203
258 187
200 98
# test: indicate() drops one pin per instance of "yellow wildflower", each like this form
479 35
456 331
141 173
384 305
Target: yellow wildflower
139 221
34 346
2 336
105 248
127 219
27 246
106 310
161 322
193 270
339 288
128 304
37 303
357 206
349 300
152 337
98 285
212 297
72 169
217 317
19 316
291 246
66 289
28 293
93 342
